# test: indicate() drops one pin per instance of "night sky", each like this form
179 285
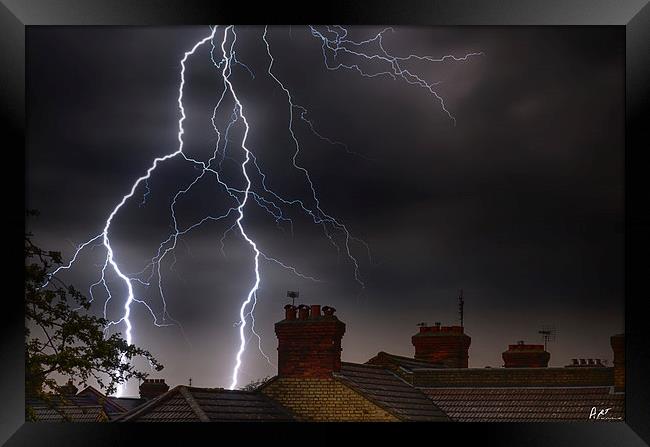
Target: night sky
520 203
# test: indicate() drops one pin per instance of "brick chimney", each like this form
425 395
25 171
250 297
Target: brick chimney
309 345
447 346
525 356
618 346
152 388
68 390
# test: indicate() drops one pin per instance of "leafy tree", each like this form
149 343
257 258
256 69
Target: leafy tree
254 385
62 340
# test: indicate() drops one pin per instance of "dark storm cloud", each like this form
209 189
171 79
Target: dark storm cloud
520 203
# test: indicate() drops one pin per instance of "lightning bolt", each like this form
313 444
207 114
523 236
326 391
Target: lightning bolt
369 58
104 235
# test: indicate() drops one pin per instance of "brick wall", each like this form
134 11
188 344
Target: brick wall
444 345
618 346
309 346
525 356
503 377
152 388
324 400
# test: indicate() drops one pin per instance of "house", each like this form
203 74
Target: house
66 407
192 404
315 385
40 411
435 385
112 406
87 405
312 384
524 390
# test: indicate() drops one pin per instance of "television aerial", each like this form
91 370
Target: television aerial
548 333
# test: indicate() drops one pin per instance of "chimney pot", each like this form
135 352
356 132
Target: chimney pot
290 312
303 312
315 311
328 311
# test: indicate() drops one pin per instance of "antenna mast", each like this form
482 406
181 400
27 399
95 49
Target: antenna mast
548 333
461 306
293 295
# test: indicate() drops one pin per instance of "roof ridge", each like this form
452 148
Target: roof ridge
363 365
202 388
425 364
103 396
150 403
196 408
401 356
408 383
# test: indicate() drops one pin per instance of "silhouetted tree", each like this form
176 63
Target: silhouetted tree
62 340
253 385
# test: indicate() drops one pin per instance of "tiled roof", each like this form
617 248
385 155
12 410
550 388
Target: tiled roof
112 406
189 404
512 377
55 400
77 408
128 403
527 404
390 392
68 413
391 360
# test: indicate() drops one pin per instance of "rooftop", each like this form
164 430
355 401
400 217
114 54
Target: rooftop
190 404
393 361
528 404
390 392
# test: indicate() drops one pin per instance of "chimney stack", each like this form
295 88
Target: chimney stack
68 390
152 388
310 346
618 346
444 345
522 355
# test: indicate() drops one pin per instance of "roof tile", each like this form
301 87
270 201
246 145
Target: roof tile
390 392
182 403
526 404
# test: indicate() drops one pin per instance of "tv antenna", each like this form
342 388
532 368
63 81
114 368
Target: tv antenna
548 333
461 306
293 295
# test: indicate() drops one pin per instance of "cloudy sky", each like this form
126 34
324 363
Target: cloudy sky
520 202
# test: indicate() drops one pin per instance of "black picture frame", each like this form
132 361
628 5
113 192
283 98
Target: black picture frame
633 15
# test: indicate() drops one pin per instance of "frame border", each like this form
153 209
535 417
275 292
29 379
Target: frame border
634 15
